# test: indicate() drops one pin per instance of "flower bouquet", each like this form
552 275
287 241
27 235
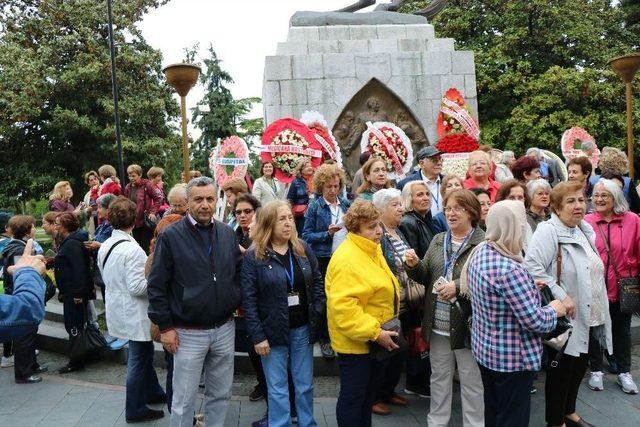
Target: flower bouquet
323 137
391 144
576 136
285 143
229 160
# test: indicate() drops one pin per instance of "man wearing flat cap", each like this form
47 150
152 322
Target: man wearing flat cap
430 171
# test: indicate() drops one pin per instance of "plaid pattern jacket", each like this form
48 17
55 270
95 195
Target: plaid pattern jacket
507 316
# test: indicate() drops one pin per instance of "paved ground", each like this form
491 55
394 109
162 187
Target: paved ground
95 397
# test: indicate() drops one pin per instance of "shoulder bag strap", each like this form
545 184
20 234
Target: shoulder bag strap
104 262
559 265
608 249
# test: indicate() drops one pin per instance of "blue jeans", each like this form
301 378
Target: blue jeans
142 381
357 390
275 370
211 350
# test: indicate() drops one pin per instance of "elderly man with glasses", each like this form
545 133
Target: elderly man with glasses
430 171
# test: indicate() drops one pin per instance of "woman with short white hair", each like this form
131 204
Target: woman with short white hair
618 243
417 224
503 168
539 191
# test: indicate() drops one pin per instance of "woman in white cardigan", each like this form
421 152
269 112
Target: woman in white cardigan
121 261
582 290
267 188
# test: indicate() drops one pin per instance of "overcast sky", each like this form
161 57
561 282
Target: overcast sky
242 32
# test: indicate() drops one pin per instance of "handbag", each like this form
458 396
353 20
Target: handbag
299 210
50 289
559 337
379 353
85 341
414 292
628 287
417 345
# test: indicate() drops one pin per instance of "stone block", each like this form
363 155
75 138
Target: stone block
319 91
286 111
462 62
406 64
362 32
432 133
411 45
436 63
470 88
293 92
297 47
339 65
271 93
303 33
307 67
323 46
452 80
473 107
429 87
435 107
271 113
423 31
334 32
375 65
423 113
354 46
391 31
344 89
440 44
405 87
383 46
277 68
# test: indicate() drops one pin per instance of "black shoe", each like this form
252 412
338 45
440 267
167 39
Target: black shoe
327 351
158 400
41 370
262 422
422 391
70 368
151 415
33 379
256 394
579 423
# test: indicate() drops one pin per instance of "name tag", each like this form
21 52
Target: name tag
293 299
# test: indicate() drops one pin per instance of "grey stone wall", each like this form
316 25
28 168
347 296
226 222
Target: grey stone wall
322 68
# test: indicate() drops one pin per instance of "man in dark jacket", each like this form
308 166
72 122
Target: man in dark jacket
430 171
194 288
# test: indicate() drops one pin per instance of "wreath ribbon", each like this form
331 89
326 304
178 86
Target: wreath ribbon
231 161
291 149
392 152
326 146
462 116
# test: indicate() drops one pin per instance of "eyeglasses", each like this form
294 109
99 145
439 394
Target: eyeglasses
456 209
601 196
243 211
479 163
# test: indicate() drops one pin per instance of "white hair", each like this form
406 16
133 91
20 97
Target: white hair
535 150
407 201
536 184
588 145
201 181
105 200
620 204
382 198
507 155
178 190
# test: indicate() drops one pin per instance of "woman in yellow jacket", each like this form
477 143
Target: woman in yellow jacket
360 291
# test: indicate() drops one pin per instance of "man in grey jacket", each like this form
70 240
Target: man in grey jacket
193 291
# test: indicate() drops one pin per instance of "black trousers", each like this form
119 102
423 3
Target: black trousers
143 236
24 352
621 335
562 385
357 390
507 397
418 368
323 327
390 372
74 318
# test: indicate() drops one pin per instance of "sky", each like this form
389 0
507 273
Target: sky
242 33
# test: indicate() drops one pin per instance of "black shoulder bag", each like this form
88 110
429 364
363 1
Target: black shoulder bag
379 353
628 287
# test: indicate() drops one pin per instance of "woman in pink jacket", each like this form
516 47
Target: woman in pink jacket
618 228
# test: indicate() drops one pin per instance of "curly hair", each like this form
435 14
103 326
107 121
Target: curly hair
613 160
122 213
325 173
524 164
360 212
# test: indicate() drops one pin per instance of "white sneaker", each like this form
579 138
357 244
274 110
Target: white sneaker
595 382
6 362
625 381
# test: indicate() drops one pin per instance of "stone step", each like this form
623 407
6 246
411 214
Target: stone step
318 47
54 310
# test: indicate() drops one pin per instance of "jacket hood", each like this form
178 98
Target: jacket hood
79 235
14 247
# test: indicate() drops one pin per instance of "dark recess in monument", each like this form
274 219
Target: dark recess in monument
375 102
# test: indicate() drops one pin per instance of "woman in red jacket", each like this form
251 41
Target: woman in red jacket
618 242
148 199
110 182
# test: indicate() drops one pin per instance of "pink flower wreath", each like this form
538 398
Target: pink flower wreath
229 160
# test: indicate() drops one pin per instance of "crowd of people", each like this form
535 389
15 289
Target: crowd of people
440 276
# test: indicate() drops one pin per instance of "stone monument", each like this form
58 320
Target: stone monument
359 67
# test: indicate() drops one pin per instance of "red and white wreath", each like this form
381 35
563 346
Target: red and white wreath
391 144
229 160
285 143
572 137
324 139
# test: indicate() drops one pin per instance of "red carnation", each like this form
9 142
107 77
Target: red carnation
457 143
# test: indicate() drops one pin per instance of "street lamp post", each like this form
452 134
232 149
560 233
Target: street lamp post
183 77
114 88
625 67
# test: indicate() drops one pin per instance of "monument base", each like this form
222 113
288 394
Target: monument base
319 19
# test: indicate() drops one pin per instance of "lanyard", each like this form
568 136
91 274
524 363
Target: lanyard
448 262
335 216
289 272
437 199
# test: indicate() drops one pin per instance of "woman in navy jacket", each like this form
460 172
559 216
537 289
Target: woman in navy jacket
283 299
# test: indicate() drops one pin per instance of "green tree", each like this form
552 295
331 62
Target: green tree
541 67
56 105
218 115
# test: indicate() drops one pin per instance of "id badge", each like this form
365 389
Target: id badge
439 284
293 299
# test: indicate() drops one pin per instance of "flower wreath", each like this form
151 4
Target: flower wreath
229 160
568 142
285 143
458 131
391 144
324 139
